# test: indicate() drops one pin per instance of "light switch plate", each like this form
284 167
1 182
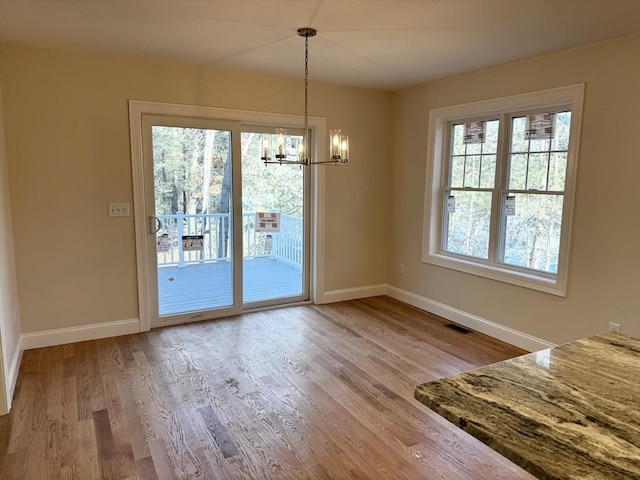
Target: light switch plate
119 210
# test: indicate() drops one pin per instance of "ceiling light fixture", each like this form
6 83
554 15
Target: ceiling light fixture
278 148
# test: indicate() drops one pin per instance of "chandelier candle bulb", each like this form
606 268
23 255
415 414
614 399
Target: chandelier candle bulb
334 144
265 144
345 149
282 140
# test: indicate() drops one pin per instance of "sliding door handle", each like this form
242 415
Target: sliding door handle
154 225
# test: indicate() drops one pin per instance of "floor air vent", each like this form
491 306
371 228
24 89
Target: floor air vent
457 328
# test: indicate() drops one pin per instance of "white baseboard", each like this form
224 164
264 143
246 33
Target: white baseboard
11 379
14 368
48 338
60 336
352 293
495 330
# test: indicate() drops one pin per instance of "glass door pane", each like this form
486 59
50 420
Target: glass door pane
273 225
192 185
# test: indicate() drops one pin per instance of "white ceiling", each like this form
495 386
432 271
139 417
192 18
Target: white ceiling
385 44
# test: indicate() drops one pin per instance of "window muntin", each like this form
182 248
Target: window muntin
522 248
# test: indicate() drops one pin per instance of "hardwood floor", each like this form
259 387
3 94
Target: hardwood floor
312 392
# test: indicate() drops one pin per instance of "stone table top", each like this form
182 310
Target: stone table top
568 412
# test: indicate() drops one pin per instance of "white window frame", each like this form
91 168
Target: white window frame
439 121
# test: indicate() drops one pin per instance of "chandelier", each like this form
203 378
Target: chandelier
279 149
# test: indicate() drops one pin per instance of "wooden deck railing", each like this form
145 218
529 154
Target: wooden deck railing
286 245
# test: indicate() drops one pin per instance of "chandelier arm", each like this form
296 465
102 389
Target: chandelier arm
326 162
286 162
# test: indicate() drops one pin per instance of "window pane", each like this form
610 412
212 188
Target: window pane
518 172
491 137
468 228
537 176
541 145
557 171
474 148
457 140
532 235
457 172
518 143
472 172
488 173
561 137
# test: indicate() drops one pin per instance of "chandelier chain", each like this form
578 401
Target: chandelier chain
306 97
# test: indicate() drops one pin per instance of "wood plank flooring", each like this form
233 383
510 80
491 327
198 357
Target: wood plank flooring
311 392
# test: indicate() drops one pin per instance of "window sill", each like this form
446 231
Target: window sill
500 273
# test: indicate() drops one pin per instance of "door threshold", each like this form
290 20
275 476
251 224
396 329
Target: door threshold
274 307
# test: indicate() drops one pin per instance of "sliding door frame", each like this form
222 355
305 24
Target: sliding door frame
137 109
148 122
305 296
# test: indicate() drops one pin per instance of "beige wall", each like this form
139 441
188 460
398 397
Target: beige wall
9 313
68 147
604 274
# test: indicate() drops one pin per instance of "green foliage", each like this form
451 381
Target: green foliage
192 174
468 227
180 170
270 188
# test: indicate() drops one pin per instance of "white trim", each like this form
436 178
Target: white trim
355 293
10 377
496 272
495 330
60 336
5 404
317 229
14 368
432 229
137 173
5 398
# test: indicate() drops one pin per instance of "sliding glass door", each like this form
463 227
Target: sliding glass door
274 224
192 167
226 233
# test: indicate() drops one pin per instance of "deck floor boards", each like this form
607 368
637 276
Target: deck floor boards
210 285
